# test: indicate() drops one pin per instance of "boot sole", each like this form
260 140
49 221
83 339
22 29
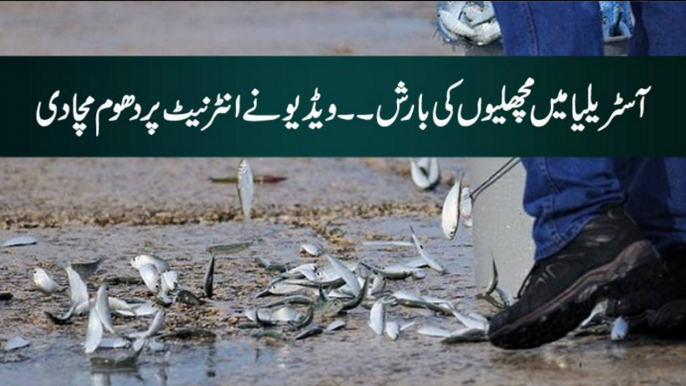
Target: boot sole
554 319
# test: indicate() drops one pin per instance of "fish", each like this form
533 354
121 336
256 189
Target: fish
465 335
424 255
466 207
453 24
86 270
159 263
150 276
378 285
392 330
314 250
19 241
145 309
228 249
308 332
157 324
472 320
335 325
43 281
102 308
114 343
120 306
186 297
95 332
15 343
423 180
285 314
387 244
168 281
61 320
433 331
208 281
493 283
596 317
269 266
346 274
77 288
245 188
620 329
450 216
377 318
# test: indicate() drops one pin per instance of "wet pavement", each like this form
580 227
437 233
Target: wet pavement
374 200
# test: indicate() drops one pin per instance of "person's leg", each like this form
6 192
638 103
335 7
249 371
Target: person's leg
568 28
659 29
564 194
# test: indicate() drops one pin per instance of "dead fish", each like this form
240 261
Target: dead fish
357 300
245 188
393 272
416 263
259 179
335 325
450 216
95 331
309 271
309 332
63 320
269 266
6 296
145 309
377 287
304 320
472 320
150 276
285 314
209 278
620 329
86 270
120 306
452 24
425 255
296 299
102 309
377 318
392 330
159 263
111 343
19 241
228 249
169 281
465 335
77 288
156 326
423 180
466 207
433 331
596 317
314 250
506 297
346 274
43 281
186 297
15 343
387 244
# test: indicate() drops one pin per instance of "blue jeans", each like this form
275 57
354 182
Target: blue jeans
564 194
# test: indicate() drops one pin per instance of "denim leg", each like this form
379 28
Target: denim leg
541 28
564 194
656 199
660 28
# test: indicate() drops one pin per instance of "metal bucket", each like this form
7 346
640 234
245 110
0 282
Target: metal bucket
502 230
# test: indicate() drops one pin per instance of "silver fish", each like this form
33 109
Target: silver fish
19 241
309 332
346 274
145 309
77 288
150 276
169 281
454 25
450 216
393 330
423 180
114 343
15 343
245 188
95 331
314 250
378 285
285 314
486 33
597 315
429 260
433 331
208 280
620 329
465 335
387 244
335 325
377 318
120 306
43 281
160 265
466 207
472 320
156 325
102 308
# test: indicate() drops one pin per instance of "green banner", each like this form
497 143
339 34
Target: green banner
341 106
